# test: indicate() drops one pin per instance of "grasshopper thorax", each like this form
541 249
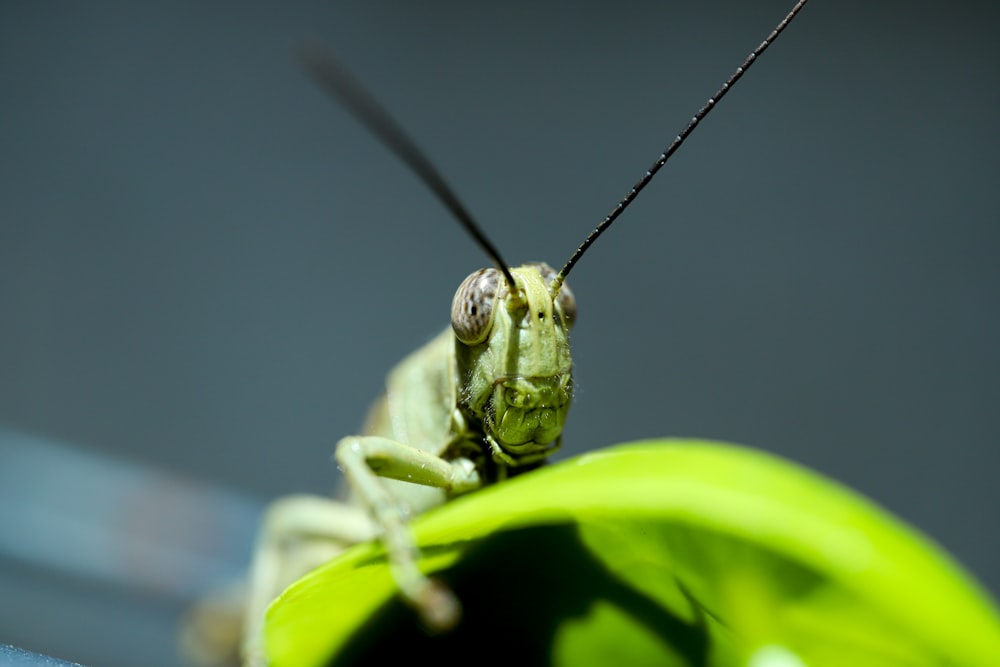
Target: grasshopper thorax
513 359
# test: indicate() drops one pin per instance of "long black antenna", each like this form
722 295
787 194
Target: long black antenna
678 140
338 81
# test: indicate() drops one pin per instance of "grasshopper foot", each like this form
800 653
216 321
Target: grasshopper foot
438 607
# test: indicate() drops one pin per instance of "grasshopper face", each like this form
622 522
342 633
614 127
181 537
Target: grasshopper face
513 357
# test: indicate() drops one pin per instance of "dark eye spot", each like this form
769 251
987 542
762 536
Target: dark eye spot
541 315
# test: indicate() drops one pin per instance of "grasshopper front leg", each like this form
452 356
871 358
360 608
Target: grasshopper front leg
366 458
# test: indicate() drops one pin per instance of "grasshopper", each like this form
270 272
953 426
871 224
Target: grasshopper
485 400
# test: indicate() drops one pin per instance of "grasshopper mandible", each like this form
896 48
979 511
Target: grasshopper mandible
484 400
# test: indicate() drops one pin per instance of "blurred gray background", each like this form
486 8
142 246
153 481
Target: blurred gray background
207 268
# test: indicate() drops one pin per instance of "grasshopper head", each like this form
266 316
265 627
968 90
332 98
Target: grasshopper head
514 363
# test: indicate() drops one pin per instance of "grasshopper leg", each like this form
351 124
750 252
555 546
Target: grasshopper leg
366 458
298 533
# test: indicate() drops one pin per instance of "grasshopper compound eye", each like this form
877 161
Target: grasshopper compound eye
472 307
566 306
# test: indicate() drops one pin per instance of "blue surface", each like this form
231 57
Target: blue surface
11 656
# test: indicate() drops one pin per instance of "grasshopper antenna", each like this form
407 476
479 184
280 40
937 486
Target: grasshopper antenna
335 78
674 145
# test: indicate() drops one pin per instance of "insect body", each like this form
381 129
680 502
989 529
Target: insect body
486 399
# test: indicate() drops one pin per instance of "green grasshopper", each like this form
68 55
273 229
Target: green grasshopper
484 400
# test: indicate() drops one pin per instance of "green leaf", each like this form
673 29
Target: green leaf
663 552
